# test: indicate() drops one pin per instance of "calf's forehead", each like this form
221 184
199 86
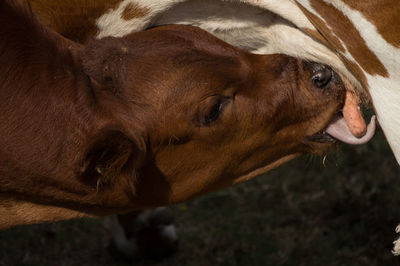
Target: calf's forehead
183 39
169 59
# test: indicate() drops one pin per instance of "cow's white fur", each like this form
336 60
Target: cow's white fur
111 23
396 243
286 9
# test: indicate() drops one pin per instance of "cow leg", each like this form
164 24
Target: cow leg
396 248
145 234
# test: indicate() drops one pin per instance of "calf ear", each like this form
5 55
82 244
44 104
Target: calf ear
110 156
104 62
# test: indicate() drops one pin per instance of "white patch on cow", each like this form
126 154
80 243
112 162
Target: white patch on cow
286 9
385 94
306 4
112 23
396 243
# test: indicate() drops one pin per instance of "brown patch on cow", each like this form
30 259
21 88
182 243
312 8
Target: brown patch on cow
133 11
346 31
74 19
335 43
356 71
384 14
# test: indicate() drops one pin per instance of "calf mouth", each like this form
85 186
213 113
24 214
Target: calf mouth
348 125
339 130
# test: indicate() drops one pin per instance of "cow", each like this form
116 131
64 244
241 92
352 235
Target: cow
151 118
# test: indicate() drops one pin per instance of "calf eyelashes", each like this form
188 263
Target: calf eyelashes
210 110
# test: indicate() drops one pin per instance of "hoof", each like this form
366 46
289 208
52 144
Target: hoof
145 235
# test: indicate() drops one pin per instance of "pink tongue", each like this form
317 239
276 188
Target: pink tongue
340 130
351 128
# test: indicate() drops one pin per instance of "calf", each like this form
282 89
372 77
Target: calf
153 118
359 39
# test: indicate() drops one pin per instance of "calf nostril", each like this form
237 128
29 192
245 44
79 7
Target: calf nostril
322 76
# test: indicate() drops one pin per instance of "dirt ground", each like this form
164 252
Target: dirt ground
304 213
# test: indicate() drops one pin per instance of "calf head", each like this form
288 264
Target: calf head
188 114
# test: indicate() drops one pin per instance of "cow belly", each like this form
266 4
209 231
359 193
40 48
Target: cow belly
385 94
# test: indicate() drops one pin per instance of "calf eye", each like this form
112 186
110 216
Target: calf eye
213 113
210 110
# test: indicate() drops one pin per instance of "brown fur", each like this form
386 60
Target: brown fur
125 123
72 18
133 11
384 14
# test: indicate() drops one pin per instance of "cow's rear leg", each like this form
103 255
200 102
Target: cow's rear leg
145 234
